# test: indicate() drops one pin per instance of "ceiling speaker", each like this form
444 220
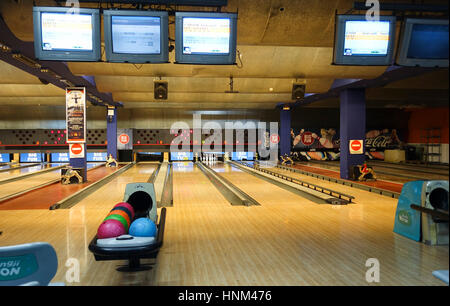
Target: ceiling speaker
161 90
298 91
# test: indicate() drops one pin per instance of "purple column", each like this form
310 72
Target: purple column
111 132
352 127
285 131
80 162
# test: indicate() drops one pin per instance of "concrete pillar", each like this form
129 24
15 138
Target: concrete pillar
285 131
352 127
111 132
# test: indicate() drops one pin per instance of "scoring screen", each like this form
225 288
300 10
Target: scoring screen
66 32
206 35
366 38
136 34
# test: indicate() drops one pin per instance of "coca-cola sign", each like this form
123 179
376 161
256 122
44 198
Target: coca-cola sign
378 142
329 139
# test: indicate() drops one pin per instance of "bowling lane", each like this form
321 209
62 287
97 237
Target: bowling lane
43 198
34 181
198 195
285 241
103 198
261 190
11 166
17 172
359 194
383 173
221 244
70 230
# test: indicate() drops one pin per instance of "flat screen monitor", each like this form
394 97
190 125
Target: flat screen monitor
424 43
242 156
66 34
5 158
181 156
96 156
136 36
60 157
205 38
30 157
362 42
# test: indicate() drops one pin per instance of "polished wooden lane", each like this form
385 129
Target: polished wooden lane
17 172
29 182
11 166
14 187
379 183
43 198
70 230
285 241
385 171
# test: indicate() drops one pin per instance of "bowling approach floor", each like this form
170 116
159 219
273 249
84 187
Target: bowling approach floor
287 240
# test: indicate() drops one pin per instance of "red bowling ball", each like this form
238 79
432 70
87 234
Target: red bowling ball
110 229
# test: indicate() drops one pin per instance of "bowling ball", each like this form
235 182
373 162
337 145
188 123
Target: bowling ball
143 227
125 210
121 213
126 205
110 228
118 218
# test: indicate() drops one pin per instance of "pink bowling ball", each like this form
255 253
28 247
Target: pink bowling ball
126 205
110 229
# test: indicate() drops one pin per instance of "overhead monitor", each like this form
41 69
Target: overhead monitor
30 158
205 38
424 43
181 156
362 42
66 34
136 36
59 157
5 158
96 156
242 156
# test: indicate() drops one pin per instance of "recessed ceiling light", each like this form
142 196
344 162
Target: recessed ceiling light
271 89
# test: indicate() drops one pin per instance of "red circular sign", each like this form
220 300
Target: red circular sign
76 148
275 138
124 138
355 145
307 138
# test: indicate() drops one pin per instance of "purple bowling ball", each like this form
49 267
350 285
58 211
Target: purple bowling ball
110 229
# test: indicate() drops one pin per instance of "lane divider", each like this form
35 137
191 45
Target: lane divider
18 167
328 195
27 175
380 191
73 199
233 194
17 194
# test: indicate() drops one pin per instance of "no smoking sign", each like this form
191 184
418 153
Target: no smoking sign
76 150
356 146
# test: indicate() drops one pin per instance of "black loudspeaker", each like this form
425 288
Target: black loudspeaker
298 91
161 90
